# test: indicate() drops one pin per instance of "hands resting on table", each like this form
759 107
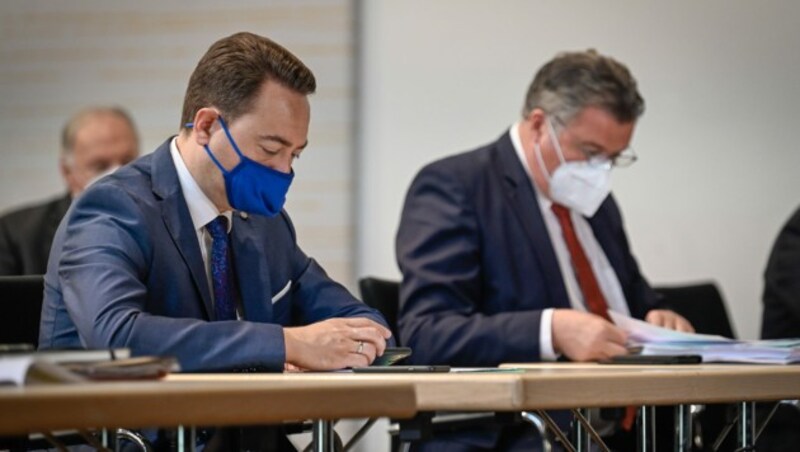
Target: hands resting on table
334 344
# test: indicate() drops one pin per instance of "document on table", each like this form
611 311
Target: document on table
655 340
645 333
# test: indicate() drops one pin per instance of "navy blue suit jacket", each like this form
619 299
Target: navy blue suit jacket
126 271
478 265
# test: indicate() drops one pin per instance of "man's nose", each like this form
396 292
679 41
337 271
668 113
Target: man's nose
284 164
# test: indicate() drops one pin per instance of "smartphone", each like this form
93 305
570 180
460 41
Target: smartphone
654 359
392 355
401 369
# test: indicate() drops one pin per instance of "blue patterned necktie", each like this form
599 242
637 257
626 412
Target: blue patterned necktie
222 276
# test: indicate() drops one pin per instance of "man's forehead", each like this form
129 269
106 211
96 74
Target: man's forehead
599 127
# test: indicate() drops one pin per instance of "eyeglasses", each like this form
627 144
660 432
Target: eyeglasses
623 159
597 158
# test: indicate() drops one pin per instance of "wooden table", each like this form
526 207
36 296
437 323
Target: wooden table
480 391
241 399
220 400
557 385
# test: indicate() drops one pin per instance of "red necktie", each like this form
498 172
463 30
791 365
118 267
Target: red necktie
592 295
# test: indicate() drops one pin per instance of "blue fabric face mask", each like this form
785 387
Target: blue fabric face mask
250 186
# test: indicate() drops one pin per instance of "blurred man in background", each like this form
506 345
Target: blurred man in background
94 142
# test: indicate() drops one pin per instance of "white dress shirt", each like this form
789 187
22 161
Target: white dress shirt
201 209
603 271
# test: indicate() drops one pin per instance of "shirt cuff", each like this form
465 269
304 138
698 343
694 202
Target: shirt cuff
546 351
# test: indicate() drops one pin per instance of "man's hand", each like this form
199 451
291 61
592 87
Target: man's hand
335 343
582 336
668 319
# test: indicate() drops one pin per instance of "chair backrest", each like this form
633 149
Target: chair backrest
384 296
702 305
20 309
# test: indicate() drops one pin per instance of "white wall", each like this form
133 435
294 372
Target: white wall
718 169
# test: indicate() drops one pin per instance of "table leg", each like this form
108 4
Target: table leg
746 426
581 440
323 440
646 423
683 428
187 438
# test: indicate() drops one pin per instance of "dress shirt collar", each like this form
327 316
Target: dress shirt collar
201 209
544 201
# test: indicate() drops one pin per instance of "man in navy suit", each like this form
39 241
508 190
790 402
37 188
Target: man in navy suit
515 251
187 252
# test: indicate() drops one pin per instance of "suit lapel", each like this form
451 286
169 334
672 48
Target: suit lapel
520 195
178 221
252 271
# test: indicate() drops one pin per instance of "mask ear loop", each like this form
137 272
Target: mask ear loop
230 138
208 149
554 139
538 150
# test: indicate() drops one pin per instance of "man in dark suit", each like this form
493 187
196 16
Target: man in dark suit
187 251
515 251
781 320
93 142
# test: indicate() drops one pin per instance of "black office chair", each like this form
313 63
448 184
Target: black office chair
703 306
20 309
384 295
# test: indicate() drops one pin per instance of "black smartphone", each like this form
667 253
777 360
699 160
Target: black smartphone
392 355
654 359
401 369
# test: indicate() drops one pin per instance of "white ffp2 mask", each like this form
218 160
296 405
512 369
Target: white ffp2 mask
576 185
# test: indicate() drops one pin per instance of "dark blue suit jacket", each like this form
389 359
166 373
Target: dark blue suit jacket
126 271
478 266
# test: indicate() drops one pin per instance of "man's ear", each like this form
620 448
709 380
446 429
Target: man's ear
64 166
204 122
68 173
536 123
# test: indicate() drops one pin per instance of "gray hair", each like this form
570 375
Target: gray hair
573 81
77 120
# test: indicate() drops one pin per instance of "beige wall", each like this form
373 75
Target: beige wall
58 56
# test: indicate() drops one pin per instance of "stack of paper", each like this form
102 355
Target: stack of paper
655 340
71 366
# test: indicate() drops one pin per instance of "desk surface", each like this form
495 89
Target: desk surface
228 399
549 386
221 401
563 385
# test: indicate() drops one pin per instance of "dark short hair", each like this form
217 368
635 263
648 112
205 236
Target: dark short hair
76 121
573 81
232 71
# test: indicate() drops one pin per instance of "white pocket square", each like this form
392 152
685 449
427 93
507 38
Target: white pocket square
282 292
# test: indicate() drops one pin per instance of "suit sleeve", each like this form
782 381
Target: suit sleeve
103 269
317 297
439 253
782 284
